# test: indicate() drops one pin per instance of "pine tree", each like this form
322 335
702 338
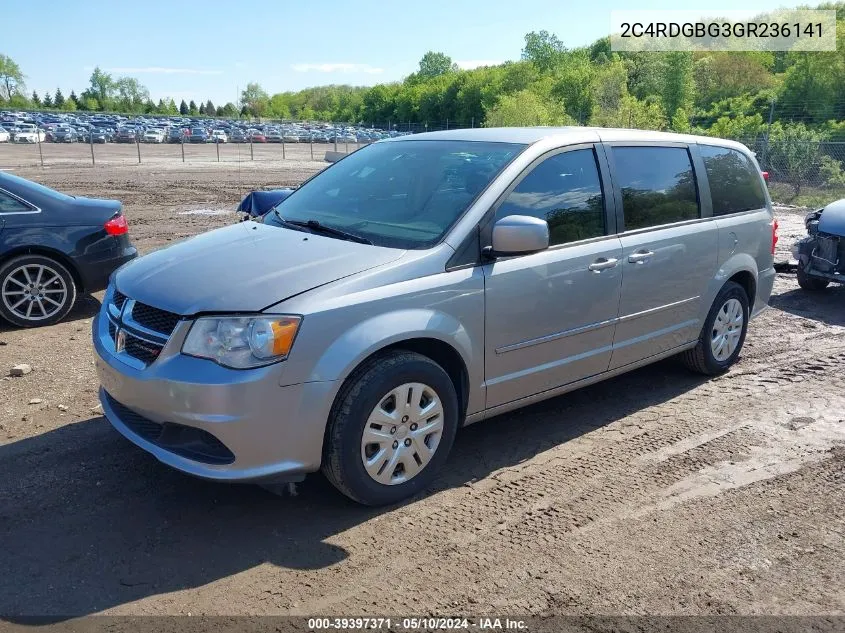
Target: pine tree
210 110
161 108
74 98
59 99
183 108
48 101
192 107
202 108
36 99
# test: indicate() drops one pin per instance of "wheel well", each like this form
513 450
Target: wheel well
748 283
60 257
444 355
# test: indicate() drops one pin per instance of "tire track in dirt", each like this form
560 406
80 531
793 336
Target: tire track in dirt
529 511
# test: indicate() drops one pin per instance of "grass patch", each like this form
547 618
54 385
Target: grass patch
813 197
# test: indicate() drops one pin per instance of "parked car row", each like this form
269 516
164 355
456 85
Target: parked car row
103 128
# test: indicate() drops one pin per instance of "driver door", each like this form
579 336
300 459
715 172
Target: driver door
550 316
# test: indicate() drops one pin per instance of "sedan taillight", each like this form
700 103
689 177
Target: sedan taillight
117 225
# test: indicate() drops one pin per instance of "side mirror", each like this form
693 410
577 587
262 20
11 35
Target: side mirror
518 235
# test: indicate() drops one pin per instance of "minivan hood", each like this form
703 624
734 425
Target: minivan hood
245 267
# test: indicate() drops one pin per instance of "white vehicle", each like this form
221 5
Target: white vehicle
28 133
4 135
153 136
219 136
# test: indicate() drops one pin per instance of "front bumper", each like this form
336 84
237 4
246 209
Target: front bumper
274 433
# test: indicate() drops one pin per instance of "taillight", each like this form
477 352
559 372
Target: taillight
774 235
766 176
117 225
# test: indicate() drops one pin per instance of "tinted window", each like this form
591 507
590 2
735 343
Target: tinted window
401 194
658 185
8 204
734 182
565 191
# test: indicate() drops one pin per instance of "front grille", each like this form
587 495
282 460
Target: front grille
185 441
112 330
118 299
155 319
144 351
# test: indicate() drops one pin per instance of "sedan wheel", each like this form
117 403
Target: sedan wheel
35 290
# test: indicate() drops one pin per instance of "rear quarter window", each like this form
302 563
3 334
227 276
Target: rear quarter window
735 185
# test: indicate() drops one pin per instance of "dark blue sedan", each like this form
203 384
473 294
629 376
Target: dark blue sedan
54 247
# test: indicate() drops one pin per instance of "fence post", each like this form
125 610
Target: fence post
447 124
311 143
335 141
472 122
283 148
218 150
251 155
40 153
138 145
91 141
183 147
347 145
763 163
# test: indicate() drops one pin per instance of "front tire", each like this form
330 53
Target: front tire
35 290
723 333
391 428
808 282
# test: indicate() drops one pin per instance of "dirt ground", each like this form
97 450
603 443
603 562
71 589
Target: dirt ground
657 492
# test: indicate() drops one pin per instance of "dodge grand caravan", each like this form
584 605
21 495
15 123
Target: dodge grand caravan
428 282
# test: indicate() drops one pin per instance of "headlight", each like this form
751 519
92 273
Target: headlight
242 342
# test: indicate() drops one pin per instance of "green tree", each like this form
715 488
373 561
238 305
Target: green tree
229 110
575 85
74 98
210 110
678 90
192 108
11 78
523 108
59 99
70 105
202 108
102 87
47 101
633 113
435 64
543 49
131 96
255 99
794 153
36 100
183 108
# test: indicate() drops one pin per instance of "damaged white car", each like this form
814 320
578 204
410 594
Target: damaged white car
821 255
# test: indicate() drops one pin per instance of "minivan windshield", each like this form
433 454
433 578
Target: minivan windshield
398 194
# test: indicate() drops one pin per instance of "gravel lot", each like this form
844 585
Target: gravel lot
656 492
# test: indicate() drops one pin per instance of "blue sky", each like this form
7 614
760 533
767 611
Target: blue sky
208 50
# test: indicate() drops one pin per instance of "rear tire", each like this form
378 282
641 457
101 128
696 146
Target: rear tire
35 290
391 428
808 282
723 333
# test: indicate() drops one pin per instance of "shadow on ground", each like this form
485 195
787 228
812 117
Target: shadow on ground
827 306
86 306
88 521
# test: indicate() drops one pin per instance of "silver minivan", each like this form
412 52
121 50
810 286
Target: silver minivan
427 282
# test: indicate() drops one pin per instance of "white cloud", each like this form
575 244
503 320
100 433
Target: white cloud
161 70
469 64
337 68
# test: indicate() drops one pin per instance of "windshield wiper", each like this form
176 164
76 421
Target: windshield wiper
317 227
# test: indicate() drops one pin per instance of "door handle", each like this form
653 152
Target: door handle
640 257
603 263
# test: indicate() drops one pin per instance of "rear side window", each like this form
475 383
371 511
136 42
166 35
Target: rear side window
8 204
565 191
658 185
734 182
